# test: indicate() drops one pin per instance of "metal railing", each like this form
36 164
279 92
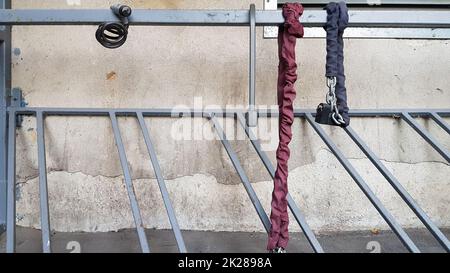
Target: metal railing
11 109
41 113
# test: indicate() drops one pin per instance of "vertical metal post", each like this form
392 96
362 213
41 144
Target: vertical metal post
5 87
161 184
11 183
390 220
3 166
252 115
43 187
245 181
426 135
440 237
440 121
129 185
309 234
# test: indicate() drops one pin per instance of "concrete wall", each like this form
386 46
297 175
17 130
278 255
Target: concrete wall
167 66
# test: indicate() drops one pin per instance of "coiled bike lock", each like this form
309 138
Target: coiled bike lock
114 34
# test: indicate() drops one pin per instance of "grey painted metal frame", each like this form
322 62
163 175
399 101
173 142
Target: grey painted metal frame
270 32
426 135
129 185
5 99
141 113
11 185
440 237
168 112
310 18
384 112
301 220
390 220
161 184
43 187
252 115
440 121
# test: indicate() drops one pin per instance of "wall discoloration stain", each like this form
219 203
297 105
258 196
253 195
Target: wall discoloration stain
111 76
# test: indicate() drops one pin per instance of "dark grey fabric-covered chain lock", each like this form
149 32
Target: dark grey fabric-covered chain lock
335 110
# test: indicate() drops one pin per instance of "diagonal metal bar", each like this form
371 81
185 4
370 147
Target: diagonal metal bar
440 121
129 185
309 234
161 184
363 186
11 187
427 136
440 237
43 187
245 181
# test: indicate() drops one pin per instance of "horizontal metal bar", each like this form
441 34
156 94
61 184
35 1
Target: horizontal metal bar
155 112
162 184
43 187
426 135
390 220
167 112
129 186
440 237
382 112
310 18
240 171
309 234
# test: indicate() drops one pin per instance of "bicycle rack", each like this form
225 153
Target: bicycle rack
11 108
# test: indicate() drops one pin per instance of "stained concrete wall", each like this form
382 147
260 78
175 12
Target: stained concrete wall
167 66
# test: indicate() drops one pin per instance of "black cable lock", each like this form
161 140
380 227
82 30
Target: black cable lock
114 34
335 110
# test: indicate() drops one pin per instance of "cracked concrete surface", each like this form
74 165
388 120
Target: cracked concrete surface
80 202
162 241
66 67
